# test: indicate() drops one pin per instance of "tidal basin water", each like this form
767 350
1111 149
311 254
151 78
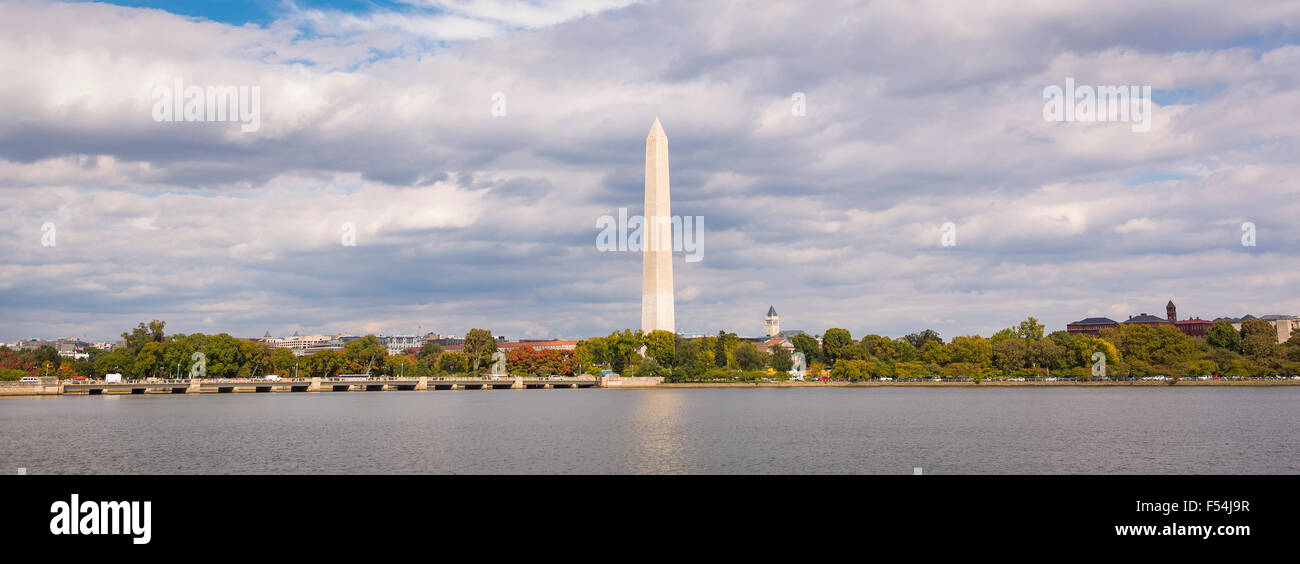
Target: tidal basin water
1152 430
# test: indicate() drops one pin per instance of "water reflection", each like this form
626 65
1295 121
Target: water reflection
658 434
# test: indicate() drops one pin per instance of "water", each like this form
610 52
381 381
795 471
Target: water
699 431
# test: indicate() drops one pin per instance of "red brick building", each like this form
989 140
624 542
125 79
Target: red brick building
1195 327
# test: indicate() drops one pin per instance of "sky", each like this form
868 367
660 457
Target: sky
473 147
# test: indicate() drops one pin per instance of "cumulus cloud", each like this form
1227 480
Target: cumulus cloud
917 114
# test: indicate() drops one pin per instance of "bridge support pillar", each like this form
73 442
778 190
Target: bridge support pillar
194 387
518 384
314 386
422 383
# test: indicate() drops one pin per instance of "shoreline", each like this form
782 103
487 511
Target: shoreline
35 391
995 384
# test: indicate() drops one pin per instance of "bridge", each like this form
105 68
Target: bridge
336 384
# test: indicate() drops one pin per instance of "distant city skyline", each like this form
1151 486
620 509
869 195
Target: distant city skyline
767 324
884 168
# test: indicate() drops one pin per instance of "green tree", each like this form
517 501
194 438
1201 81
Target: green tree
224 356
622 348
808 346
283 362
324 364
723 347
153 332
121 361
909 370
1046 354
748 357
877 346
149 360
935 352
258 358
1223 335
1172 346
365 355
479 347
46 353
963 370
429 348
649 368
661 346
1135 342
1242 368
688 360
1259 342
918 340
1062 338
1003 334
850 369
973 349
1030 329
838 344
591 353
1010 355
1082 347
877 369
780 359
453 363
904 351
1198 368
400 364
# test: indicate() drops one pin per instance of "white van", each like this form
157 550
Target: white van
271 378
113 378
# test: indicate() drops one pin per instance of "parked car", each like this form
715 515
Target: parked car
29 379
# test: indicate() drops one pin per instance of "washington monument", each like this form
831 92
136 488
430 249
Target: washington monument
657 260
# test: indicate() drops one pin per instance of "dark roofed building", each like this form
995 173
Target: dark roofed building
1147 319
1091 325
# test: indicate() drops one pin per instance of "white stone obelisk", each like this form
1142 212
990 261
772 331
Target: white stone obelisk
657 259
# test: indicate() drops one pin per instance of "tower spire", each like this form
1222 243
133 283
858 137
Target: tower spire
657 258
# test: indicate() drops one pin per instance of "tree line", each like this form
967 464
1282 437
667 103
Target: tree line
1023 351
